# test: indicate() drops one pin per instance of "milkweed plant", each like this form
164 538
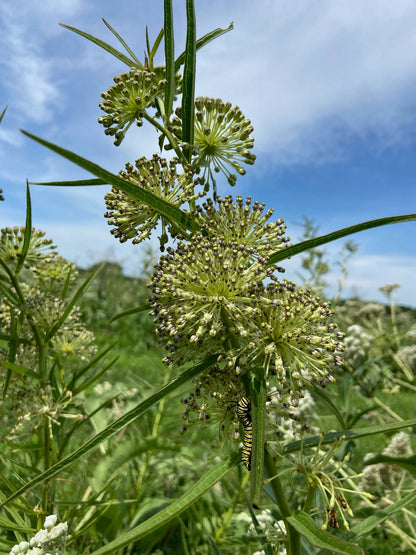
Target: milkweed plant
260 356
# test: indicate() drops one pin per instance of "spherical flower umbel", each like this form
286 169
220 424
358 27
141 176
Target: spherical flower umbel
292 338
202 296
244 224
126 101
135 220
222 138
12 241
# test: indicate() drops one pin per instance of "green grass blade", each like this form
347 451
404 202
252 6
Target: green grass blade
133 310
188 97
113 51
113 428
2 114
314 534
163 207
212 35
132 54
169 58
173 510
330 437
334 235
28 232
76 183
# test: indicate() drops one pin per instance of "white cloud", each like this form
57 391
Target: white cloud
304 71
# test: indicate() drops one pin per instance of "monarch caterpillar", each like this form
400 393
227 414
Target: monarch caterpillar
243 413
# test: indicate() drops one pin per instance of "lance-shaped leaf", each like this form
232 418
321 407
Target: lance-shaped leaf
129 50
212 35
306 526
113 51
188 97
334 235
169 58
173 510
164 208
330 437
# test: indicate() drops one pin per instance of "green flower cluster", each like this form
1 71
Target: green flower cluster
222 138
11 246
244 225
210 297
127 100
135 220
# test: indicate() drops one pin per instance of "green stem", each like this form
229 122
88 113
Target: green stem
170 137
309 499
293 544
258 393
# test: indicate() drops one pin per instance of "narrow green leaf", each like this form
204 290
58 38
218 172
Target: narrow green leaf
163 207
19 369
365 526
188 97
148 45
334 235
212 35
87 367
169 58
128 312
330 437
132 54
10 295
306 526
114 427
2 114
77 183
71 304
319 392
113 51
173 510
157 43
96 376
28 232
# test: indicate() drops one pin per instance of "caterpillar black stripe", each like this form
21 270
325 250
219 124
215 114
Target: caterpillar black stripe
243 413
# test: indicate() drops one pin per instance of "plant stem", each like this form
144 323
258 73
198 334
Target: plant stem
293 537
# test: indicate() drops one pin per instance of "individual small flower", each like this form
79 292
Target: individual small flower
222 138
244 224
127 100
133 219
11 246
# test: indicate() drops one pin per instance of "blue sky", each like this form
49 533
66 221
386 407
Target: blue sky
329 87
